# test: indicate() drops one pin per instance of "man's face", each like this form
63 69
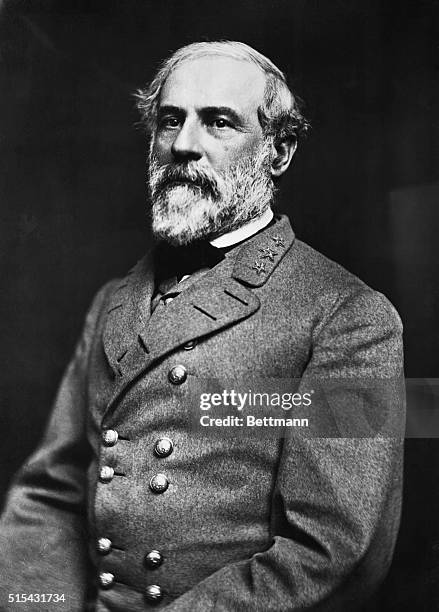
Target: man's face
209 160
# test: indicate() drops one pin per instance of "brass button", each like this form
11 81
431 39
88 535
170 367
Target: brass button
153 559
177 375
163 447
106 473
109 437
190 345
153 592
158 483
104 546
106 579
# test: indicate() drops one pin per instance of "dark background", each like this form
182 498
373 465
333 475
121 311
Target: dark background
364 188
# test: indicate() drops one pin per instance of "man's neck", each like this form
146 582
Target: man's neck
243 232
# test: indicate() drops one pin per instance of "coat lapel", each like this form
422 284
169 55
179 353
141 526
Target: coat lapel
128 312
134 340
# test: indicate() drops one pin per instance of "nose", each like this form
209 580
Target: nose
187 145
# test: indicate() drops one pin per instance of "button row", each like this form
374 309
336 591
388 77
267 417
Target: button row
163 447
158 483
153 592
152 560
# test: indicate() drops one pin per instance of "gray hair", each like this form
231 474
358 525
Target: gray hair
279 115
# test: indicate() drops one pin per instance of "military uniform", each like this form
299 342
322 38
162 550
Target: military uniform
185 522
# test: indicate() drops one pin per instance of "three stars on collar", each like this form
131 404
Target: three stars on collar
261 255
268 253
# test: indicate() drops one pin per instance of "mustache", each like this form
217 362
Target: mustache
169 175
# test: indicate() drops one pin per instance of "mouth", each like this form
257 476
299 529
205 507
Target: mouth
182 182
197 184
179 182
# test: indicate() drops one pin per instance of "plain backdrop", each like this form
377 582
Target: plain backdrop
363 189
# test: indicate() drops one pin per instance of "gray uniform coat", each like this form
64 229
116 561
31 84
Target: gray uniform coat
250 523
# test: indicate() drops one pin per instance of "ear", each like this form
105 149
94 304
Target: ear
283 151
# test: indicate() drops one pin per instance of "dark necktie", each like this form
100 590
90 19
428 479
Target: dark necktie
173 264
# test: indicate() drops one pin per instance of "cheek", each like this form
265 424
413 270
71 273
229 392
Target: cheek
231 154
161 148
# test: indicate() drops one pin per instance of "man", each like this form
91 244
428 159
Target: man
180 520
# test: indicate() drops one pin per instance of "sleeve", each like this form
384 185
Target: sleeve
336 503
42 530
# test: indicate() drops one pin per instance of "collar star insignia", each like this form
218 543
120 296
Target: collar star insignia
268 253
279 241
259 266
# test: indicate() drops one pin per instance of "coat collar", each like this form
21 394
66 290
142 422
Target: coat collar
134 340
259 256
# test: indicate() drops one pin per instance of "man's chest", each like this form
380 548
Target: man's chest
271 343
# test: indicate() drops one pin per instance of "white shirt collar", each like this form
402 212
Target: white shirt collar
243 232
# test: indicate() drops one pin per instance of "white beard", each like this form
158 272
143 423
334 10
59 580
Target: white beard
207 204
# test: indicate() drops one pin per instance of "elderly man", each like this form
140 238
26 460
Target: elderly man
125 505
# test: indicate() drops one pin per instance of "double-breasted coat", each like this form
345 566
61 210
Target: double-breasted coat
227 523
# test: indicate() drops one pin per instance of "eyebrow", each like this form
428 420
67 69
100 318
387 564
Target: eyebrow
162 110
205 110
222 110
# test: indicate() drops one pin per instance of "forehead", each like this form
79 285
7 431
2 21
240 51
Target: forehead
215 81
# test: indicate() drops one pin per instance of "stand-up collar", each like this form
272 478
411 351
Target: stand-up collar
243 232
258 257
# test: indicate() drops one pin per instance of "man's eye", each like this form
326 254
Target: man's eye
169 122
220 124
